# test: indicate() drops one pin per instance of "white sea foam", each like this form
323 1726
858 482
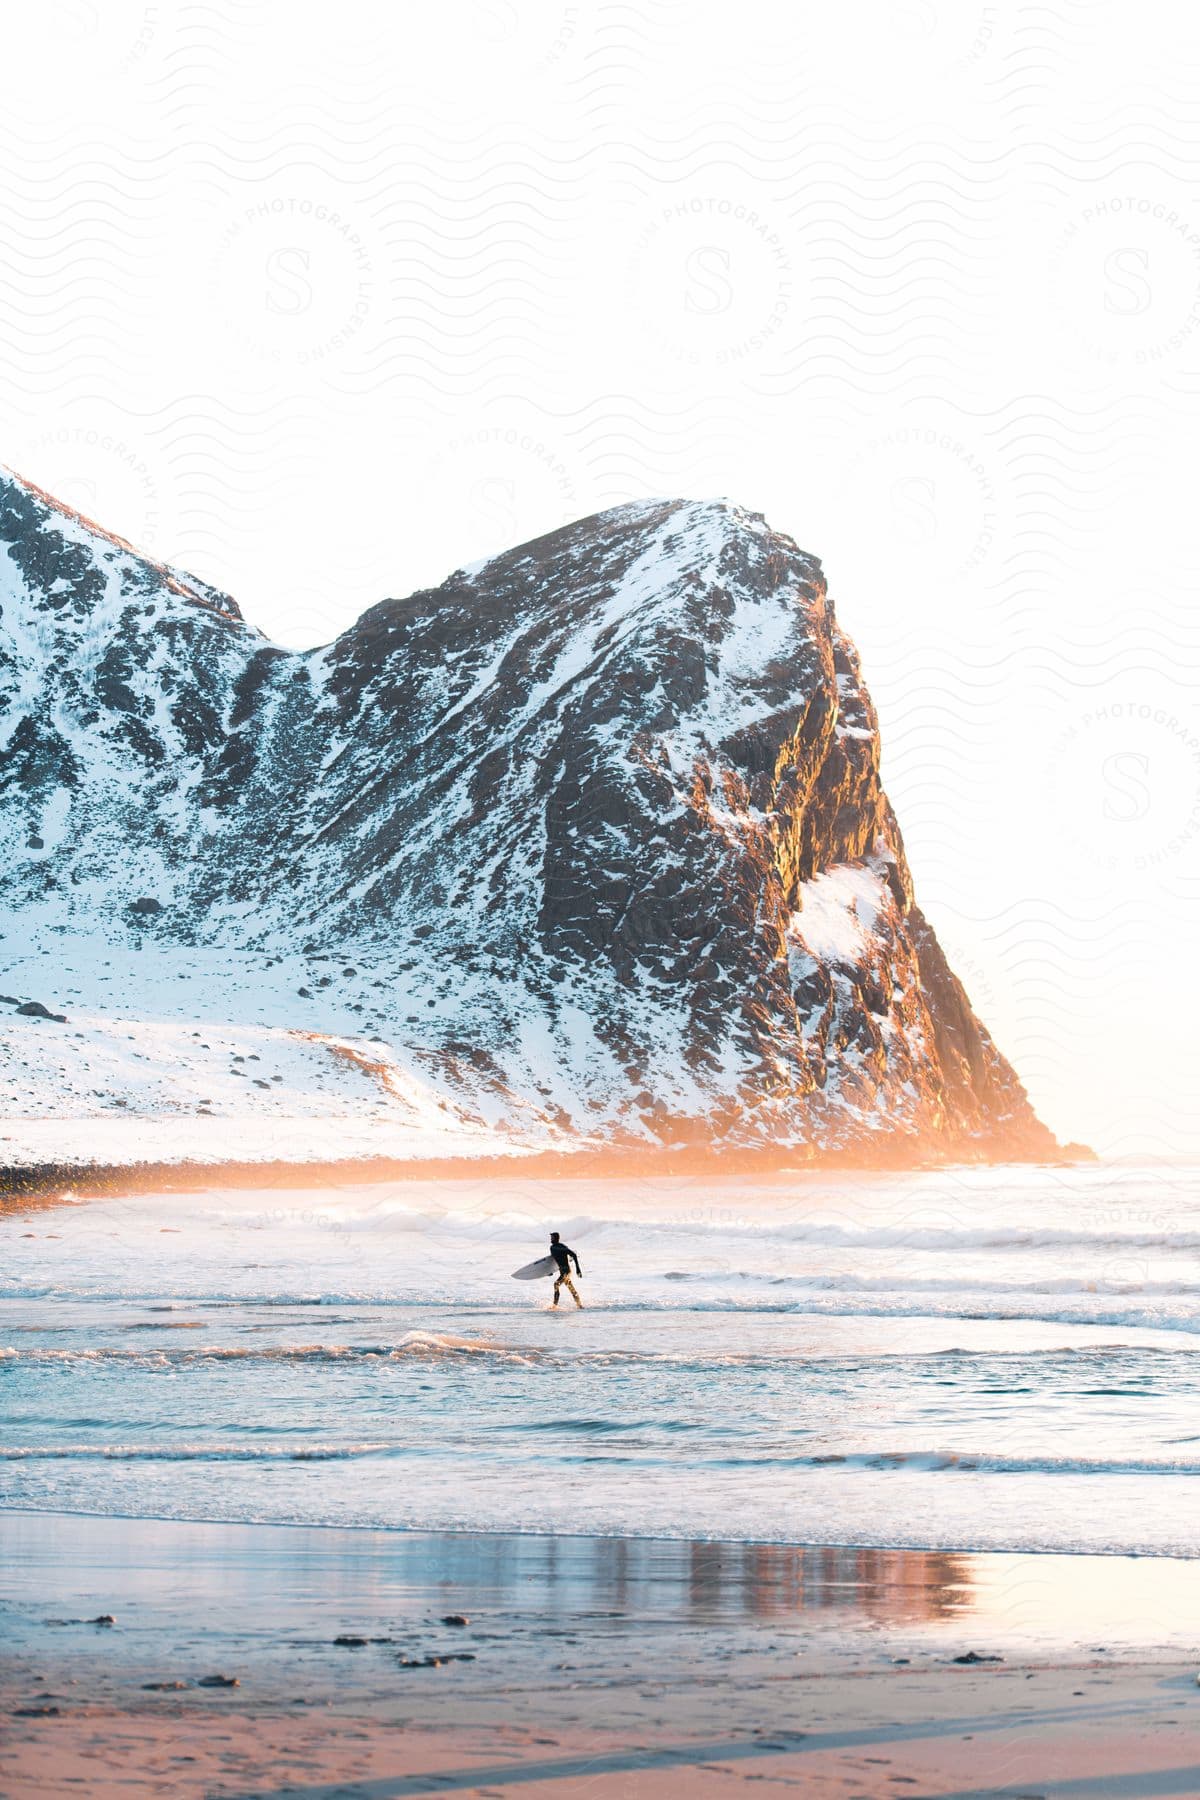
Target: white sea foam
963 1462
987 1357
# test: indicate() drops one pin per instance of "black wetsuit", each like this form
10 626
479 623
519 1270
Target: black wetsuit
564 1258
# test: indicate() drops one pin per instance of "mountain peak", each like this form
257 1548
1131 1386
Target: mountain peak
707 524
595 828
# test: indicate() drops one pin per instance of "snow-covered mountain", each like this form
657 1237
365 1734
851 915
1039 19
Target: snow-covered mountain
586 846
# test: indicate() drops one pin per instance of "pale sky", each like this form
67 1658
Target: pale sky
319 303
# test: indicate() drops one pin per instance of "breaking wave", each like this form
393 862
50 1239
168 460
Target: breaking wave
862 1461
415 1346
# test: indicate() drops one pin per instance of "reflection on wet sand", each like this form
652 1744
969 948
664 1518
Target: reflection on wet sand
391 1573
189 1589
777 1580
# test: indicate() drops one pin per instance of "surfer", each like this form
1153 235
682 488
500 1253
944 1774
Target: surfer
564 1258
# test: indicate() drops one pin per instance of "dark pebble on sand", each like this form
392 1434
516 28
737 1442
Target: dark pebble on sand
218 1681
352 1643
973 1656
456 1619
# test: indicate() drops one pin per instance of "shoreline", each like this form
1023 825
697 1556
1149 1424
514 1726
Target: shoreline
932 1591
28 1183
194 1661
525 1533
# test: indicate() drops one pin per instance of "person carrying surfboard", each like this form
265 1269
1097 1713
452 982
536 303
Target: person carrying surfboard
564 1258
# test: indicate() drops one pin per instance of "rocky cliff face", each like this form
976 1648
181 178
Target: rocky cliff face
596 828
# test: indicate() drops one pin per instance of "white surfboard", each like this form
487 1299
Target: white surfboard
545 1265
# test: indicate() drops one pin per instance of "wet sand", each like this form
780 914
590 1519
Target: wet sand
590 1666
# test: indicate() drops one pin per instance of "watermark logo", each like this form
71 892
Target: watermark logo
713 279
296 278
113 39
1127 775
976 981
1128 278
564 39
509 38
930 493
102 474
506 481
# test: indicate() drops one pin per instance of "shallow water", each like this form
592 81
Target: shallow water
998 1358
270 1601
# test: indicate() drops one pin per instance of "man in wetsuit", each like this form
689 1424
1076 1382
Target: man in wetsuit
564 1258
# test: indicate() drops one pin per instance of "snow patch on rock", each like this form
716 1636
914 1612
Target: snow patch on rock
586 846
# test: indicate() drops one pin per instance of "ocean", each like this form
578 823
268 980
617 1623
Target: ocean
964 1359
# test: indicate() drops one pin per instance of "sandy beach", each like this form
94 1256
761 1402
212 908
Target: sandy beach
585 1666
852 1487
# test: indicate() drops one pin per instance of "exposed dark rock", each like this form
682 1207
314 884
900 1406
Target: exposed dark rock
606 812
33 1009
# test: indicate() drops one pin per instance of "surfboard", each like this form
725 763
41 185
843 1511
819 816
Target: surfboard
545 1265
